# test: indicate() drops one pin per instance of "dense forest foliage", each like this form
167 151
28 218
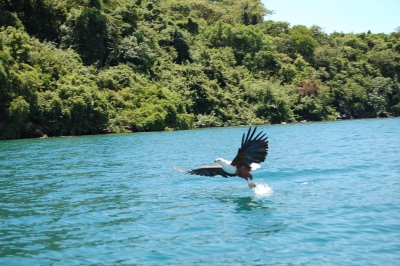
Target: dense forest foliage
92 66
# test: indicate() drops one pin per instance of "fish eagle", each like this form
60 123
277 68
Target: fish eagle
254 150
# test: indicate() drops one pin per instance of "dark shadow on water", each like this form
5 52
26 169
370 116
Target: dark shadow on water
248 204
266 230
258 211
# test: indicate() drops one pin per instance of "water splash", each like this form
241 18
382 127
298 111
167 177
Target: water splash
262 189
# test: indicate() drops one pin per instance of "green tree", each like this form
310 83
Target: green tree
90 36
14 118
303 41
378 93
41 18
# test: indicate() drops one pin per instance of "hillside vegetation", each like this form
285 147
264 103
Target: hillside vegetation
89 66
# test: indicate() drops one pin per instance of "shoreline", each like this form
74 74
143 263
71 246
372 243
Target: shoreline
40 134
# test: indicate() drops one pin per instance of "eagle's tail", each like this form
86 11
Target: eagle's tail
178 169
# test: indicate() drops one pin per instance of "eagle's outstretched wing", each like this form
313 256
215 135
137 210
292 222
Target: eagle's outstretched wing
252 150
206 171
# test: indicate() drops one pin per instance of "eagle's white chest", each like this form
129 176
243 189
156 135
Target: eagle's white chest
226 166
230 169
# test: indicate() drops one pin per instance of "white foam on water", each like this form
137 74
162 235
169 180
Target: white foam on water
262 189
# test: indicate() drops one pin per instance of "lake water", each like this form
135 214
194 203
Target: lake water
328 194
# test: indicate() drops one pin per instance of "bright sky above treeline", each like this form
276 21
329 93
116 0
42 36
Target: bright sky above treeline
346 16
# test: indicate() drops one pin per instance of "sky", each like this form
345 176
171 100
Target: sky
346 16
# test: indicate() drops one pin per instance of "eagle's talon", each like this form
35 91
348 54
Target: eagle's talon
251 184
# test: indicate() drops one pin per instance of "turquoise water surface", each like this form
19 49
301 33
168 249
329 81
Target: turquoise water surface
328 194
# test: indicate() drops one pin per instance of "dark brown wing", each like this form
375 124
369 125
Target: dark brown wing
207 171
252 150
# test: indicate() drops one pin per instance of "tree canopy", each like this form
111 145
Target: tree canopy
93 66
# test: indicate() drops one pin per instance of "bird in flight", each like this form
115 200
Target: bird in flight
254 150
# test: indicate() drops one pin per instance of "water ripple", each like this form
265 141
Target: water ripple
327 194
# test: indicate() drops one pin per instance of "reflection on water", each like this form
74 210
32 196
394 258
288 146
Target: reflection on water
266 230
256 214
248 204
